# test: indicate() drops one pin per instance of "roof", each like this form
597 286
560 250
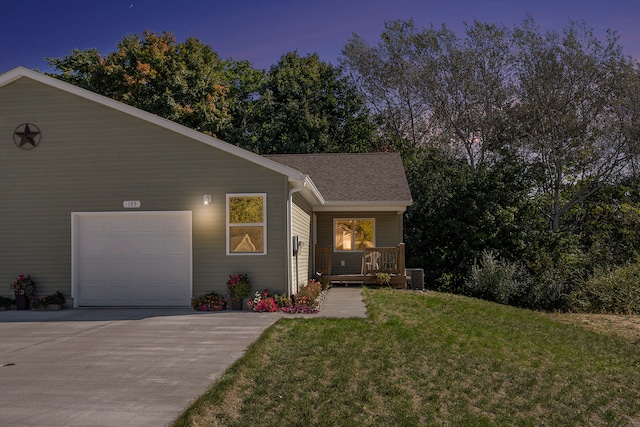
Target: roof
354 179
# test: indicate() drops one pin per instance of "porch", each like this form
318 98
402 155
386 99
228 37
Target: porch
390 260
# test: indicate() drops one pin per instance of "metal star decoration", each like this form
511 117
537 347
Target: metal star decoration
26 136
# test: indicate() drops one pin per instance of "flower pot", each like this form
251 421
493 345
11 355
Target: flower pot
236 304
22 302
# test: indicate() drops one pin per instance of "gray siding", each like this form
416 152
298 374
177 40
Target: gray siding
92 158
388 233
301 227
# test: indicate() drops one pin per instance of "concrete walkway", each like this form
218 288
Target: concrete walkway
343 302
128 366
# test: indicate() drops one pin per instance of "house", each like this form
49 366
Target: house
114 206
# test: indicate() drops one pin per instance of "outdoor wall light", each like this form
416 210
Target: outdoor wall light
206 199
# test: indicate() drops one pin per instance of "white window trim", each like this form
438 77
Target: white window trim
335 245
263 224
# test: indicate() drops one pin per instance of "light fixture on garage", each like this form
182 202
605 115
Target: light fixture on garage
206 199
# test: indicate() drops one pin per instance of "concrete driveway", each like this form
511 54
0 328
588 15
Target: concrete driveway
115 367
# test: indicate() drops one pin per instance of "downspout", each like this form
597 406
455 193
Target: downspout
290 236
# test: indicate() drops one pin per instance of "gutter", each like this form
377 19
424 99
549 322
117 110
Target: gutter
290 234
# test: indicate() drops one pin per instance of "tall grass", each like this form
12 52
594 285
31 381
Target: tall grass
427 359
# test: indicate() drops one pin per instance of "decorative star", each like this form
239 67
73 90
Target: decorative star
27 136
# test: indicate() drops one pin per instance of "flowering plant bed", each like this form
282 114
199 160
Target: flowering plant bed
263 302
50 302
209 302
299 309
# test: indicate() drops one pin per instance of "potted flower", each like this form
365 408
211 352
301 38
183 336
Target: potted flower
23 288
238 288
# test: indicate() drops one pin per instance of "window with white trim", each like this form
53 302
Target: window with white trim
247 224
353 234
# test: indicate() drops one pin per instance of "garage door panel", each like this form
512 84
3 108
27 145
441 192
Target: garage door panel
177 246
151 245
133 259
122 223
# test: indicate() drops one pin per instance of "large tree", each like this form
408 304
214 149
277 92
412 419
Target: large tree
575 122
389 76
432 88
308 106
184 82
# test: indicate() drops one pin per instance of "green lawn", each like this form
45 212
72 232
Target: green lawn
427 359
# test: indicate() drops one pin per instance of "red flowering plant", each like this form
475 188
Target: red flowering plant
305 299
238 286
263 302
209 302
23 285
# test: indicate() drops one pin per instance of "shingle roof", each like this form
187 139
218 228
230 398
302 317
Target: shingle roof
354 177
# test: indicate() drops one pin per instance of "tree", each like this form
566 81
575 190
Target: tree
308 106
388 75
472 91
432 88
575 130
184 82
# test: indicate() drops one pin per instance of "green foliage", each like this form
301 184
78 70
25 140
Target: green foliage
616 291
282 300
455 217
308 106
55 298
184 82
382 279
497 280
506 282
238 286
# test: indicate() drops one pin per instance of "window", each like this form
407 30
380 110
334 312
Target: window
354 234
246 224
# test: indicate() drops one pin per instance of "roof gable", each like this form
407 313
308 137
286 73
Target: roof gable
21 72
374 179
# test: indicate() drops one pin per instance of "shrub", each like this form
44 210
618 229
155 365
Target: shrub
497 280
548 292
307 294
616 291
209 302
382 279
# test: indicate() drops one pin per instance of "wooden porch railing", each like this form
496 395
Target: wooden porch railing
384 260
322 260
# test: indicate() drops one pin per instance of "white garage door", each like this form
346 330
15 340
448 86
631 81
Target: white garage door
132 259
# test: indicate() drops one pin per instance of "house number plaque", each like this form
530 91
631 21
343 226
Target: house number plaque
131 204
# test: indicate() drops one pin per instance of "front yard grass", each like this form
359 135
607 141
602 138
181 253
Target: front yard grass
427 359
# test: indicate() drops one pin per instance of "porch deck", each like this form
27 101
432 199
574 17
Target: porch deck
374 260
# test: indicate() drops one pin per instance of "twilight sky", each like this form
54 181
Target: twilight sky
262 31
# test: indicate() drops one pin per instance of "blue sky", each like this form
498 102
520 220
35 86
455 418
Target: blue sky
262 31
